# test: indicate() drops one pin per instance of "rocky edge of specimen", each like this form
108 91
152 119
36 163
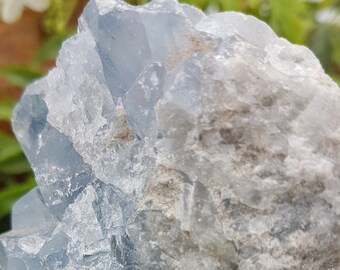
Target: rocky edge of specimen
168 139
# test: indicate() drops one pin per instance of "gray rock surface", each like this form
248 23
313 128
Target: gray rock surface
168 139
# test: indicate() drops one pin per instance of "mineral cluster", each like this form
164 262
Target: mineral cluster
168 139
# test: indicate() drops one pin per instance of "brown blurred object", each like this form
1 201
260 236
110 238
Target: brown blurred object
18 44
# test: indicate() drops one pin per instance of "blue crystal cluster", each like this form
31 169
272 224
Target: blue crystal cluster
168 139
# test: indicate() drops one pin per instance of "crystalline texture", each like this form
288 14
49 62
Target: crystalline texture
168 139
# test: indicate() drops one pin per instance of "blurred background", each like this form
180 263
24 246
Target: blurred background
32 31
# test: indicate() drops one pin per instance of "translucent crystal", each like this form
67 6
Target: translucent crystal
168 139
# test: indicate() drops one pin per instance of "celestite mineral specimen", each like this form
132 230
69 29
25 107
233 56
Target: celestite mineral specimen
168 139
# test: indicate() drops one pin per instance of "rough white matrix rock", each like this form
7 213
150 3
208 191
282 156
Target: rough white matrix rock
167 139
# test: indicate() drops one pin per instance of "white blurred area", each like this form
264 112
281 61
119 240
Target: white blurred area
11 10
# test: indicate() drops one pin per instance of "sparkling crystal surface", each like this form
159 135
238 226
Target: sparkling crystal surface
168 139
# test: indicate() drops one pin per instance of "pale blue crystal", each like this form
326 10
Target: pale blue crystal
168 139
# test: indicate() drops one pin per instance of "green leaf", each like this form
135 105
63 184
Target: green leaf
231 5
5 224
288 18
254 4
18 75
58 15
201 4
321 46
6 108
336 78
12 193
50 48
137 2
9 148
15 165
335 41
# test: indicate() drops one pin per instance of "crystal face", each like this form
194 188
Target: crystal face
168 139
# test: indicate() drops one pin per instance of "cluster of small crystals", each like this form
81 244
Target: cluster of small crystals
168 139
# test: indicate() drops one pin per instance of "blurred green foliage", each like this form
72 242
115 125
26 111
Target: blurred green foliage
19 75
300 21
58 15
